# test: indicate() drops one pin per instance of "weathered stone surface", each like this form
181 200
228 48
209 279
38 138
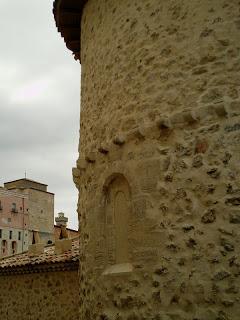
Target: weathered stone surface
214 173
234 201
209 216
119 140
160 82
221 275
234 217
197 161
45 296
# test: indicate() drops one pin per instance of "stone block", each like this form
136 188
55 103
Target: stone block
164 123
184 117
234 217
201 146
91 157
141 131
221 275
81 163
119 140
104 149
63 245
234 109
220 110
209 216
118 269
76 173
204 113
36 249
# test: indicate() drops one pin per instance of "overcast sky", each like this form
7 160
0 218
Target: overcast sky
39 101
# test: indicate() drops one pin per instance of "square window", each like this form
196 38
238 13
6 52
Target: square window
14 207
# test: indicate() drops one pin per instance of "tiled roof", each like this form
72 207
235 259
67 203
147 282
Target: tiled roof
67 14
25 179
68 229
47 261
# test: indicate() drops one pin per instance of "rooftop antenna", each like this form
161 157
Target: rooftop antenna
25 174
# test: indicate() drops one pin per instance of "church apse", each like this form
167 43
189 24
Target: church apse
160 104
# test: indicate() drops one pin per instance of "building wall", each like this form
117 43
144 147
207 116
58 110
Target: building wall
34 211
14 222
45 296
41 213
71 233
160 100
16 243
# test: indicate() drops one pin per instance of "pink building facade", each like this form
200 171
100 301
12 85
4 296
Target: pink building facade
25 207
14 222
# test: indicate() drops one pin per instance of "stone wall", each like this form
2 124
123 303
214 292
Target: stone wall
41 213
158 172
39 296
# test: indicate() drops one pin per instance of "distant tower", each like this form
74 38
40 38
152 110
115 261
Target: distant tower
158 170
61 220
38 209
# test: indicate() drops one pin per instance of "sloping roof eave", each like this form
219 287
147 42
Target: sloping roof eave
67 15
47 261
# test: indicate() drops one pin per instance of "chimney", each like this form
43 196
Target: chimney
63 233
36 248
63 244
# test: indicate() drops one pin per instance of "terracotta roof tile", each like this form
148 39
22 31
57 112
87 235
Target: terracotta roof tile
47 258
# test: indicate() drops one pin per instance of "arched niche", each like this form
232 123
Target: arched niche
117 209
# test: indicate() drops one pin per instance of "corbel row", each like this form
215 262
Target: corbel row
174 121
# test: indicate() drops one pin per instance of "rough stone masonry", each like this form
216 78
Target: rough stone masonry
159 166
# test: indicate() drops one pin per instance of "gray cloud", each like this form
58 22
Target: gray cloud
39 101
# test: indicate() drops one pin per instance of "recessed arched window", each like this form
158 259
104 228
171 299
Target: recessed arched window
117 207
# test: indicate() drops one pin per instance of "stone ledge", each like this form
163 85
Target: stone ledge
174 121
118 269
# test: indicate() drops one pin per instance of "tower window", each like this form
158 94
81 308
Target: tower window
14 207
4 247
19 235
10 234
0 233
14 247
